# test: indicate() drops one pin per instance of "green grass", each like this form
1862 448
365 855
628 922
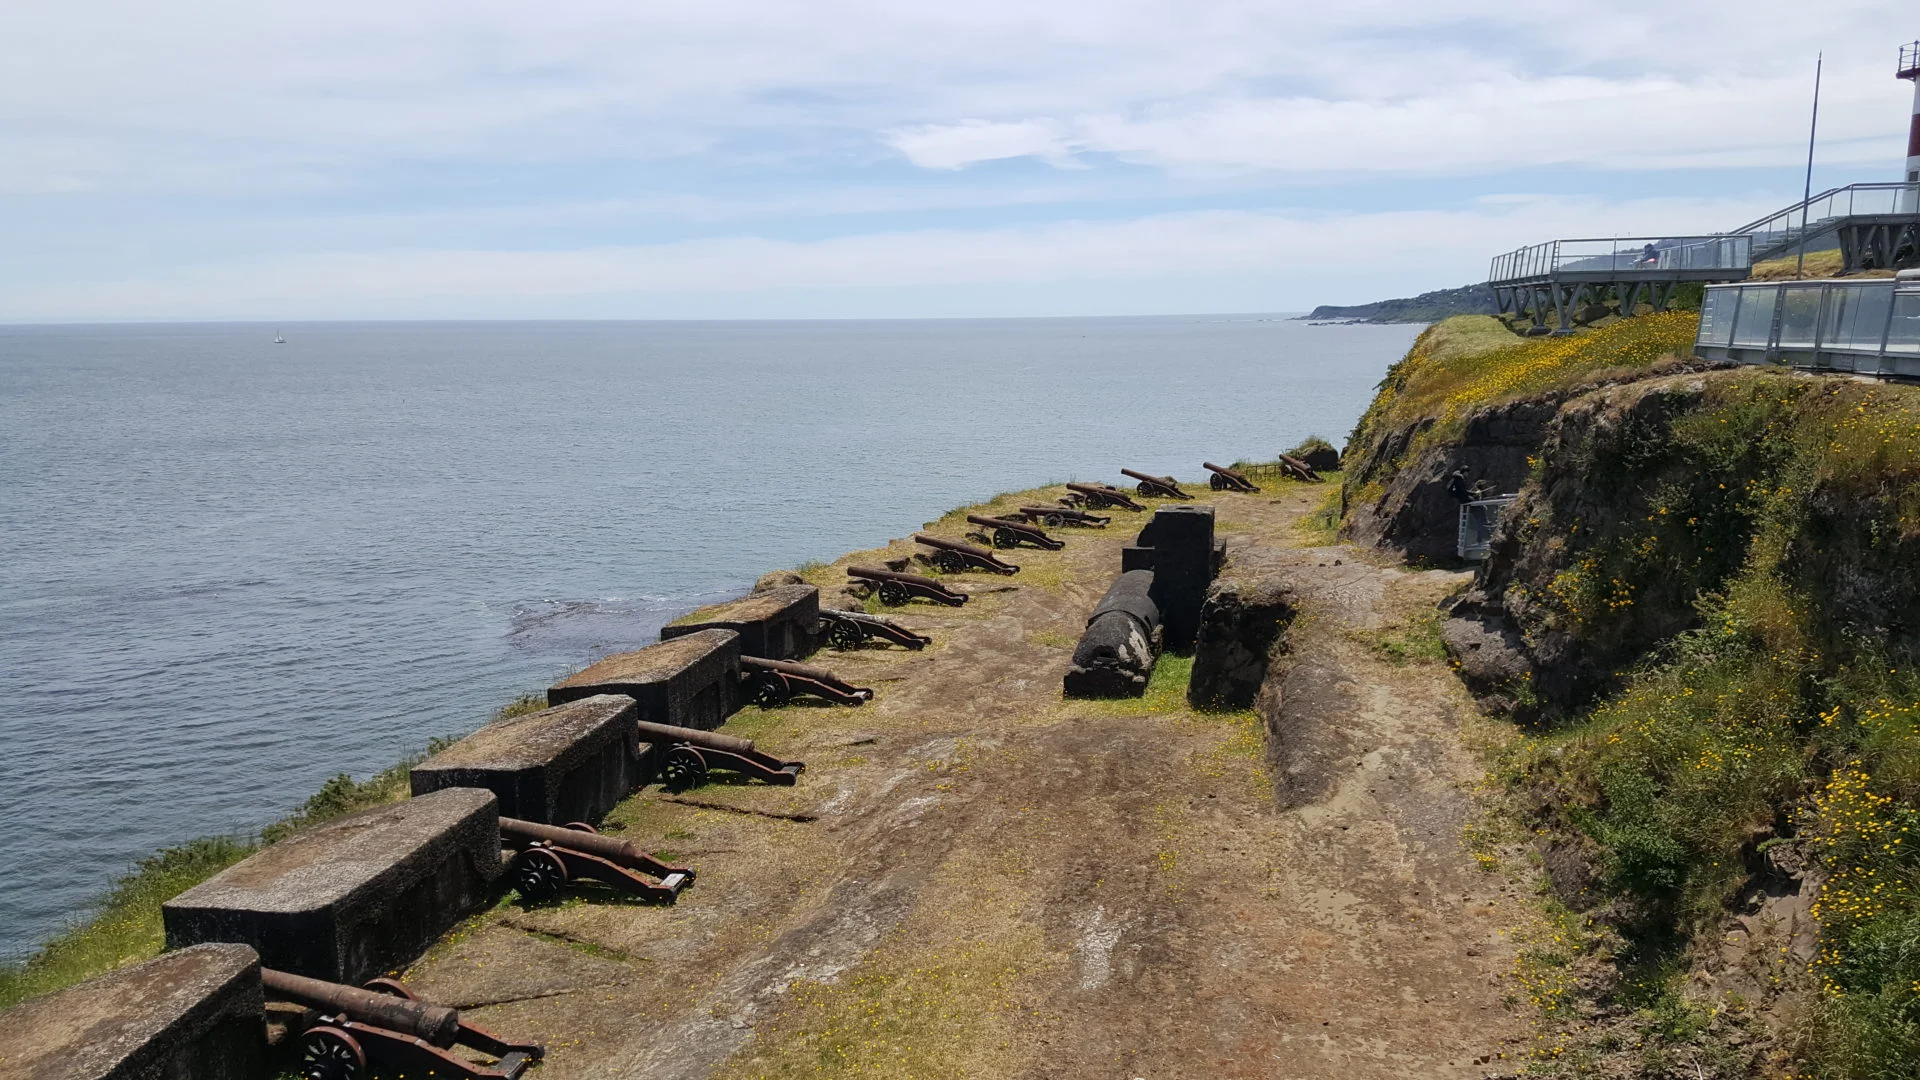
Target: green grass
1416 641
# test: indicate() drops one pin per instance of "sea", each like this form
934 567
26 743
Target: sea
230 568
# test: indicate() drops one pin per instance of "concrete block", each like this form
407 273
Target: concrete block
573 762
357 896
195 1014
691 681
773 624
1183 566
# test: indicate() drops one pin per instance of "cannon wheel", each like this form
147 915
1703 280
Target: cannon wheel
949 562
1146 489
1054 521
846 634
1217 482
770 692
327 1053
685 767
1005 538
539 874
893 594
388 986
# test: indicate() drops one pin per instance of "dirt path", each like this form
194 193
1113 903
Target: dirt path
975 878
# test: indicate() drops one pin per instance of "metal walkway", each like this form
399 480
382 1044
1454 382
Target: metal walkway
1875 226
1562 283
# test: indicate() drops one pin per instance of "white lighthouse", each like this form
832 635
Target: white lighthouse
1910 70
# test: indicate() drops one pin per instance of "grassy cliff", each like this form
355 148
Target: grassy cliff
1710 581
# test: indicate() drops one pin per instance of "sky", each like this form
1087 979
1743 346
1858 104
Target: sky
255 159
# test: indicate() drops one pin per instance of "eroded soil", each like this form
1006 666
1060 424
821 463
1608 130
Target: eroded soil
976 878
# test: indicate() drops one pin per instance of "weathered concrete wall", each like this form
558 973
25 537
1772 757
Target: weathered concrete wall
573 762
773 624
195 1014
691 681
1240 625
1178 547
354 897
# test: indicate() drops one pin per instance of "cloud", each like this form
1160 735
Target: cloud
1379 250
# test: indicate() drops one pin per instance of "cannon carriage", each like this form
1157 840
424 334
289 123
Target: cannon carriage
773 683
1008 533
1156 487
689 754
1225 479
551 857
953 557
896 588
1099 497
1054 517
845 630
382 1029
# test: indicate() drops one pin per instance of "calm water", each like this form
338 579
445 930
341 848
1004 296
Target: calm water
232 569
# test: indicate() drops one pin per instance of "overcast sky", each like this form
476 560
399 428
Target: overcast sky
848 158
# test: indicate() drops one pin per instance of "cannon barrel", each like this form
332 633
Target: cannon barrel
1065 512
951 545
1149 477
1222 470
1000 523
607 847
1095 489
437 1024
805 671
891 575
710 739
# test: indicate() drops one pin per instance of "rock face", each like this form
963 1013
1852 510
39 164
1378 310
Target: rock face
1239 625
194 1014
1415 514
773 624
690 681
1321 459
574 762
777 579
349 899
1121 645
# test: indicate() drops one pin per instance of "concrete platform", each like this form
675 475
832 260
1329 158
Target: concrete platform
195 1014
353 898
573 762
773 625
691 681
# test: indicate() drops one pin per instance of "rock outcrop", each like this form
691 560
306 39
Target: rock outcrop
1240 625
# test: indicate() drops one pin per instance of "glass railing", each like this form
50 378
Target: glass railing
1625 256
1868 326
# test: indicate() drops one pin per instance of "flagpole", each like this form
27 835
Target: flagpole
1813 129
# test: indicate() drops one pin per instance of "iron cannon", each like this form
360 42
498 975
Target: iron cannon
688 754
552 856
896 588
383 1030
1053 517
1007 532
952 556
1102 496
775 682
1156 486
1224 479
851 629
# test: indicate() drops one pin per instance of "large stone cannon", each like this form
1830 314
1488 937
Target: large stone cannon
1121 644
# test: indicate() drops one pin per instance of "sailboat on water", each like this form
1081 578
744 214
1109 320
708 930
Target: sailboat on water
278 339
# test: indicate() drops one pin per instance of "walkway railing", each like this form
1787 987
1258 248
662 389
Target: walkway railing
1855 200
1625 257
1871 327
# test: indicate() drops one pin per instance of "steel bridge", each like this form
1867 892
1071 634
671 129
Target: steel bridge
1562 283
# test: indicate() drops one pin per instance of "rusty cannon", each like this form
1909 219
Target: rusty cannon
383 1030
1102 496
1298 469
1053 517
952 556
1225 479
1163 487
896 588
1006 533
776 682
553 856
845 630
688 754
